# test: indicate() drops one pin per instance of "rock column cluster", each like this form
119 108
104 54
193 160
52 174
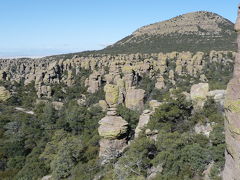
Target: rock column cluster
232 122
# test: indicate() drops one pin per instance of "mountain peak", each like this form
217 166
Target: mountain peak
187 23
195 31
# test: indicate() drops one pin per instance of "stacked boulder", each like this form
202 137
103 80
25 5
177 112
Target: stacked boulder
113 128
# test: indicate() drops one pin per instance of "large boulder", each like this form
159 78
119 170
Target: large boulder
199 93
112 127
134 98
4 94
112 94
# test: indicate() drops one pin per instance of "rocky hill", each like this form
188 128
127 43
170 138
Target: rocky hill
197 31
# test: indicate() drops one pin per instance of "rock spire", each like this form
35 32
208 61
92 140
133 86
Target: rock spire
232 122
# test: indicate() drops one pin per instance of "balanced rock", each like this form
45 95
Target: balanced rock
112 127
112 94
4 94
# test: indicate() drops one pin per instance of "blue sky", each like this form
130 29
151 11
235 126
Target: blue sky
45 27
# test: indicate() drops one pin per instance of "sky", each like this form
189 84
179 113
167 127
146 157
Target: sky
47 27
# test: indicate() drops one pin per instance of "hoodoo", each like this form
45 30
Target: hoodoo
232 122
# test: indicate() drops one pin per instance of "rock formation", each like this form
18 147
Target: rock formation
4 94
160 83
112 126
143 121
199 94
111 94
113 129
232 122
134 98
93 82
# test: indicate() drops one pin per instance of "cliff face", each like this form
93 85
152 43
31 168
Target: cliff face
232 122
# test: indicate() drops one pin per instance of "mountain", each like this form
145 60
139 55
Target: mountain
196 31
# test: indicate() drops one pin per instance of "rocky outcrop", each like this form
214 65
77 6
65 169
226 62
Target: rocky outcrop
44 92
154 104
134 98
199 94
232 122
219 97
4 94
143 121
160 84
94 82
